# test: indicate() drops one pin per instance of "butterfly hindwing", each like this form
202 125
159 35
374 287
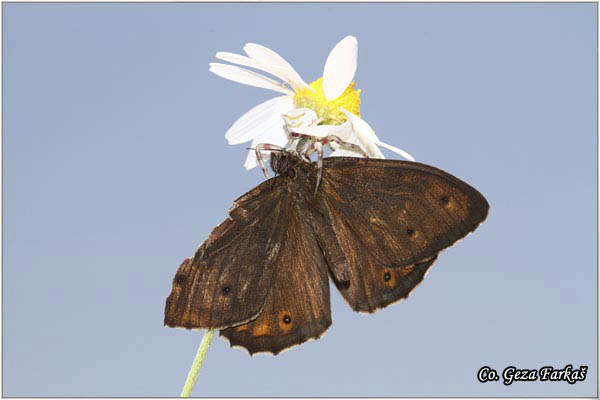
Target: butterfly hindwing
227 281
369 284
297 307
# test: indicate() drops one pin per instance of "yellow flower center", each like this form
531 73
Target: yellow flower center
327 110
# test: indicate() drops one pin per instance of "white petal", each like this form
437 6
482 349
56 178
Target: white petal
259 119
238 59
246 77
274 135
340 67
251 161
396 150
365 135
345 153
282 73
363 130
269 57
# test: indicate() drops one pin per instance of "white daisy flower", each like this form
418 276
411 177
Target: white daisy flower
328 106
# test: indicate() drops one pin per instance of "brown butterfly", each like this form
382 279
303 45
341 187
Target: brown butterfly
375 226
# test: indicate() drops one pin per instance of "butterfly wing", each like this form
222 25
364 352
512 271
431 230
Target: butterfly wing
297 307
391 218
404 212
227 281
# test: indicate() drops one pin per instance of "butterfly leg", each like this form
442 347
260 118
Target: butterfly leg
262 147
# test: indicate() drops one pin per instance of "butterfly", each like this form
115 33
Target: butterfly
374 227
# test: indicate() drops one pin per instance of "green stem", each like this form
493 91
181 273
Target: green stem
200 355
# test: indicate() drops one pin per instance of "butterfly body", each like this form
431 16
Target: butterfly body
374 226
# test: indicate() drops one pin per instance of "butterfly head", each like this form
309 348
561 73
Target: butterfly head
283 162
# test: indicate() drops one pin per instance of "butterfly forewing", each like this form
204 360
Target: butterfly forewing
227 281
403 212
